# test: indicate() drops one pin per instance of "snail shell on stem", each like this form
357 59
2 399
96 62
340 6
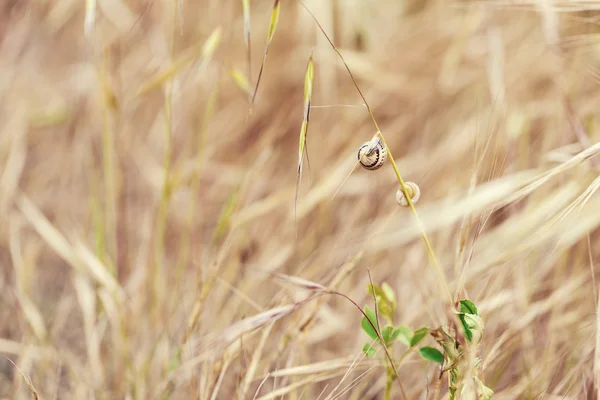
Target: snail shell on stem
372 154
413 191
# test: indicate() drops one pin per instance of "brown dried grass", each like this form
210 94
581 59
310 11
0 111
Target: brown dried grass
140 230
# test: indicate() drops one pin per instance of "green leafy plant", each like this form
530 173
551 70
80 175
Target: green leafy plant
385 300
452 356
461 354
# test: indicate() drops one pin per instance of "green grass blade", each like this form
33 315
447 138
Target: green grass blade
272 27
274 19
308 87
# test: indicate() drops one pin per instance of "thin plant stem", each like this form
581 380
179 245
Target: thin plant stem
382 342
375 300
184 248
159 282
430 251
161 220
108 166
388 384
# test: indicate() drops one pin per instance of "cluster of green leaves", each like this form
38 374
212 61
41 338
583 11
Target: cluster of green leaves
472 326
386 307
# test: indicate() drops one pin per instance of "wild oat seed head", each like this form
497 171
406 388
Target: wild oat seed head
372 154
413 191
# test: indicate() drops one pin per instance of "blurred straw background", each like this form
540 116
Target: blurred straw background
142 208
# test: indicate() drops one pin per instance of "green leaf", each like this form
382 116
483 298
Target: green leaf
431 354
469 319
418 336
385 309
404 334
386 333
388 292
468 333
385 304
473 324
369 350
467 307
395 333
366 325
373 289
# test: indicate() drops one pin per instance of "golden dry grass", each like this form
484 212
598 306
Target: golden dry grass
143 211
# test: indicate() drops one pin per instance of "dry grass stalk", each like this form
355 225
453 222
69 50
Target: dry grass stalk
272 27
27 380
128 158
247 41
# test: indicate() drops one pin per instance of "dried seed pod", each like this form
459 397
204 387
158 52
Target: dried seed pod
372 154
414 192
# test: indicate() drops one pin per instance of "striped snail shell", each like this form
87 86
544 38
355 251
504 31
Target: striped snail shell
372 154
413 191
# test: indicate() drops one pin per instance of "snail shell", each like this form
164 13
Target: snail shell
372 154
413 191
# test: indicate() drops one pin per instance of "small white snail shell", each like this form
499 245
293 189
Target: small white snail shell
414 192
372 154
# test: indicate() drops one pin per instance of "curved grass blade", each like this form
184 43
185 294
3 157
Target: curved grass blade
308 87
272 26
26 379
344 181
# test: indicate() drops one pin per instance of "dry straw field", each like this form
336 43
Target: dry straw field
158 242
